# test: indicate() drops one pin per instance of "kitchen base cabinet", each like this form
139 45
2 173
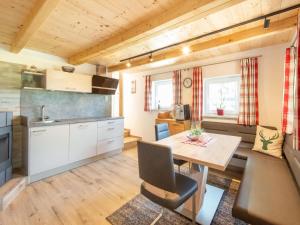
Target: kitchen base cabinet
57 148
110 145
48 148
110 135
83 141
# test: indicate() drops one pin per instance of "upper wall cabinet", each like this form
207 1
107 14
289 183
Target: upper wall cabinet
63 81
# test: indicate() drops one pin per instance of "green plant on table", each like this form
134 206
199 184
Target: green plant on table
196 132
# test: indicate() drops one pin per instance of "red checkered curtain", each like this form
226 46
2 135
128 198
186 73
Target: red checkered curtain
147 104
249 92
297 97
288 95
197 94
177 87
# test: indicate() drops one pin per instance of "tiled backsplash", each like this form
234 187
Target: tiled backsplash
64 105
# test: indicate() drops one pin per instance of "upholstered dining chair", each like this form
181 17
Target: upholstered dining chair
161 132
161 184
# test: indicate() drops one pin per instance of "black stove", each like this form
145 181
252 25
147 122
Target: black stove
5 147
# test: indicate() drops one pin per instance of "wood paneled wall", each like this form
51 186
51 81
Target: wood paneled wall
10 89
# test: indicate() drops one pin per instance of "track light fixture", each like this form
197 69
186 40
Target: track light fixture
128 64
266 23
262 17
151 58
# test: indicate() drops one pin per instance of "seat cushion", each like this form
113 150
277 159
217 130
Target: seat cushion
185 188
267 194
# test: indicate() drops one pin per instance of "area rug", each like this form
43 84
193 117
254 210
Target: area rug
141 211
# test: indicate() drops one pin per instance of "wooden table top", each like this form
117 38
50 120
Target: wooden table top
216 154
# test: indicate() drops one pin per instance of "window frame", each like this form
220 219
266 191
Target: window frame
220 79
154 103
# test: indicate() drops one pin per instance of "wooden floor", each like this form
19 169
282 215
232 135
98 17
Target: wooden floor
85 195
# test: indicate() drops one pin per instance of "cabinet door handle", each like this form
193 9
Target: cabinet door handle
110 122
38 131
111 141
110 128
82 126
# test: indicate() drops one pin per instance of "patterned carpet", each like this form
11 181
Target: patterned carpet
141 211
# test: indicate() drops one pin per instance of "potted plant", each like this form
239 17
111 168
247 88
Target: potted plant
221 106
195 134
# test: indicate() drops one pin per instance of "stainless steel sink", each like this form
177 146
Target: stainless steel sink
45 121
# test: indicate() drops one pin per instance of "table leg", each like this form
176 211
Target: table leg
207 197
198 173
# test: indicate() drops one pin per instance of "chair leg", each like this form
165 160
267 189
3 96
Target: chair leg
158 217
194 209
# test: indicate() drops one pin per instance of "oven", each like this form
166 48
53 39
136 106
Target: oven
5 147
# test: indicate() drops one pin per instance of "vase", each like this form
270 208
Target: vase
220 112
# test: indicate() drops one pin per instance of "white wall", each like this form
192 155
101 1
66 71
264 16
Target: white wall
41 60
271 68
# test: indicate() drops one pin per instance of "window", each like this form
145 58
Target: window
222 92
162 94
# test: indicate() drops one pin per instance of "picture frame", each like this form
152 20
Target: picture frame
133 86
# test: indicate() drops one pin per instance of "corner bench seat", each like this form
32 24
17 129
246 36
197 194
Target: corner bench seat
268 193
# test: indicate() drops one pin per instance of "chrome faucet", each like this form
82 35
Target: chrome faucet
43 112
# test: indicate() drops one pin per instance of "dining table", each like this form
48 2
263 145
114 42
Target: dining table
214 152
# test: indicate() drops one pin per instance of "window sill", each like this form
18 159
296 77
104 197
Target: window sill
161 110
215 116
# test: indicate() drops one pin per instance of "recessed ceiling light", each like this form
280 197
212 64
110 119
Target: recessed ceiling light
186 50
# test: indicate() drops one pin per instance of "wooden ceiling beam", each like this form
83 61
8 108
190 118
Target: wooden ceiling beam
39 14
182 13
240 36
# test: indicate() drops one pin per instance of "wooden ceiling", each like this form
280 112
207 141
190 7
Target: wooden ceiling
104 32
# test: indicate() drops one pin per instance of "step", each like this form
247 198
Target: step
126 132
131 142
10 190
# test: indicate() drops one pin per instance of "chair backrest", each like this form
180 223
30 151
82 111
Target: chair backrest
247 133
156 165
161 131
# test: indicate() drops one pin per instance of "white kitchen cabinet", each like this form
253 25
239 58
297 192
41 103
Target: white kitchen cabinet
63 81
112 131
110 145
48 148
110 135
83 141
105 123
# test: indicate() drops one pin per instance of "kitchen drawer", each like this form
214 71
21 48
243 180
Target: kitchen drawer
176 128
110 131
106 123
110 145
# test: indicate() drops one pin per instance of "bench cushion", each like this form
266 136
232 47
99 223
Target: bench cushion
267 194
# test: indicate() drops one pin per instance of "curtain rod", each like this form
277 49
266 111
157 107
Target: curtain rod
205 65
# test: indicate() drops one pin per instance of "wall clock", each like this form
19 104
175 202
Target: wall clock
187 82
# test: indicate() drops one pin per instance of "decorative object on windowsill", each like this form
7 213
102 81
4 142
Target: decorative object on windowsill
133 86
187 82
68 69
221 106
